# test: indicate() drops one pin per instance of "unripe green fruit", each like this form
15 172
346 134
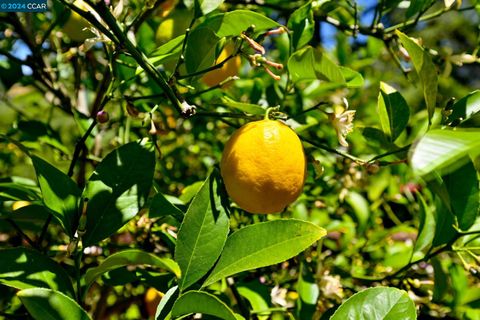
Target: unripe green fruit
75 27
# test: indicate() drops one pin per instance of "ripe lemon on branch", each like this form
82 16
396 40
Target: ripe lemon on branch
229 69
264 166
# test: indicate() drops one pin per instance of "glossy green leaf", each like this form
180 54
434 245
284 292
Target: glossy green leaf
264 244
464 194
444 150
392 110
302 24
160 207
202 302
23 268
465 108
200 49
427 72
47 304
257 302
380 303
245 107
166 304
426 230
118 189
202 234
60 194
311 64
233 23
131 257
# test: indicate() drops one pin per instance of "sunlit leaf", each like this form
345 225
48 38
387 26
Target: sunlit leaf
427 72
202 302
444 150
47 304
233 23
264 244
302 24
380 303
202 234
311 64
23 268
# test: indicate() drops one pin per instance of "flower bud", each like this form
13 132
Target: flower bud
102 116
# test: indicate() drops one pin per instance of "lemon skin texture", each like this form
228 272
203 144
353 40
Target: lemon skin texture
229 69
75 25
264 166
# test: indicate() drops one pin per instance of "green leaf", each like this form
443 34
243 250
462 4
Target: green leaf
257 302
203 7
47 304
353 78
426 230
202 234
444 231
464 194
422 61
60 194
311 64
166 304
245 107
23 268
233 23
264 244
117 190
302 24
200 49
380 303
360 207
202 302
465 108
160 207
392 110
308 292
131 257
444 150
166 52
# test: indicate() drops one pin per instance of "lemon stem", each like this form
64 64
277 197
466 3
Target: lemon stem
268 112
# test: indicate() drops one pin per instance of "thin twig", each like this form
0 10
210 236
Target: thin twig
21 233
338 152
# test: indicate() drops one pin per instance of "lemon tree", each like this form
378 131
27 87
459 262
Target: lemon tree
177 159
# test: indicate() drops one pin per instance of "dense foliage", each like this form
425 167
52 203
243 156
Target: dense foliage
114 115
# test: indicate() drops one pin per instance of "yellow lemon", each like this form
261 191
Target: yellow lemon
152 299
264 166
75 26
174 25
20 204
229 69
